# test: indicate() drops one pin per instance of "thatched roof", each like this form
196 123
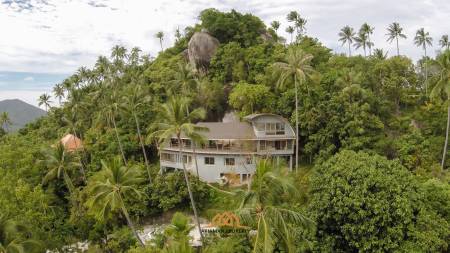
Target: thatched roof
201 48
71 142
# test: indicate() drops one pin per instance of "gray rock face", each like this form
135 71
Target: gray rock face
201 48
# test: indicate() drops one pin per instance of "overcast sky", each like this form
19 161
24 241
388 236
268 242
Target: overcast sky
55 37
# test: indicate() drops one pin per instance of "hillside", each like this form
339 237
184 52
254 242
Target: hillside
20 112
367 179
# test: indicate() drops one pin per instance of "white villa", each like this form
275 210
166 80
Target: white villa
232 148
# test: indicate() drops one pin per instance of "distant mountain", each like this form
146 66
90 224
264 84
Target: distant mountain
20 112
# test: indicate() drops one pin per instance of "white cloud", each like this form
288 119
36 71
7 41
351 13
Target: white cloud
29 79
58 36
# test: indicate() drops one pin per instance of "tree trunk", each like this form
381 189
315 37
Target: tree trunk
365 55
130 223
426 70
160 42
186 178
446 138
398 50
118 141
142 146
349 50
296 122
370 47
195 159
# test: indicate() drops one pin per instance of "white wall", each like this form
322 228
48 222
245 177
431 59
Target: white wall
211 173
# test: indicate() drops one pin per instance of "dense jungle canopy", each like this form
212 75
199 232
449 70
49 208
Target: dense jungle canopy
372 175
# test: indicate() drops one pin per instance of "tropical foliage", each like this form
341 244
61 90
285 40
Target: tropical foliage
372 146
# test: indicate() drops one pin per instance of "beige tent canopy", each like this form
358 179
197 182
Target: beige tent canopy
71 142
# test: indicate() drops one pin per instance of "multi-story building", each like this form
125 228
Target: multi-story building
232 149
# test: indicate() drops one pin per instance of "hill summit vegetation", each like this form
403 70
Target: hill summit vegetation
372 172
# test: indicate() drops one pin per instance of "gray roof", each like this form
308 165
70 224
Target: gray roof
228 130
256 115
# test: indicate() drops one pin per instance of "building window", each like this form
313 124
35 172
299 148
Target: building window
280 128
168 157
248 160
275 129
229 161
173 143
280 145
186 143
187 159
212 144
260 127
262 145
209 160
271 128
246 177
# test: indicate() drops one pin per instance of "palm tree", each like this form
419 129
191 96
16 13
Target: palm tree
297 65
58 91
15 238
347 35
131 103
367 30
262 207
395 32
5 121
362 40
444 42
300 24
134 56
349 79
292 16
160 35
177 122
110 187
443 86
275 25
183 79
108 112
118 54
290 30
59 164
379 54
177 34
422 39
44 99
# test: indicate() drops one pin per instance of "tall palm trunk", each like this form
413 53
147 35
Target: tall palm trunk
195 159
446 138
398 50
138 128
160 42
426 70
130 223
186 178
119 142
370 47
296 122
349 49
